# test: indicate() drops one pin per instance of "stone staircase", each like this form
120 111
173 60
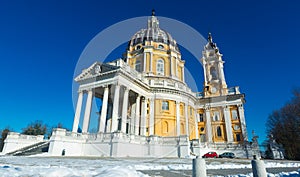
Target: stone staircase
36 148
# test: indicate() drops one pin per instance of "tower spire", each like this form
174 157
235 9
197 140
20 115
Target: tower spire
210 38
213 69
153 12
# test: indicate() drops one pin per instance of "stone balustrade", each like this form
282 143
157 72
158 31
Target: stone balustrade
233 90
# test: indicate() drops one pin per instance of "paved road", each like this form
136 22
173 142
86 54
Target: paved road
218 172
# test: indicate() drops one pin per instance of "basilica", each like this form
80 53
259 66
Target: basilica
147 108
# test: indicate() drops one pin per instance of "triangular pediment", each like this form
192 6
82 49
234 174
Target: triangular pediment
95 70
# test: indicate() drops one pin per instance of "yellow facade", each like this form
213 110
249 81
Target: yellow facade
152 55
156 55
165 120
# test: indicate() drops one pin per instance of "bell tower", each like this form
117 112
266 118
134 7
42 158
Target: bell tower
214 79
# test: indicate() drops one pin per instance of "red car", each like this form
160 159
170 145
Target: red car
210 155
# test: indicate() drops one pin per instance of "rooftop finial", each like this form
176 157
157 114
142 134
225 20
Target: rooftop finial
209 38
153 12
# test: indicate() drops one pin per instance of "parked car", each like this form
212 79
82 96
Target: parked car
210 155
227 155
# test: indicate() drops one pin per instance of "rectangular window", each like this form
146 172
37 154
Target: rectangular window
216 116
234 114
165 105
219 131
238 137
201 119
191 111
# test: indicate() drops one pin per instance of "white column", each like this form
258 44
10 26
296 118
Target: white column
124 110
78 111
204 70
228 124
109 118
103 110
151 121
177 118
196 124
171 66
186 119
221 71
115 113
87 113
243 122
145 62
208 126
151 62
132 119
144 116
137 116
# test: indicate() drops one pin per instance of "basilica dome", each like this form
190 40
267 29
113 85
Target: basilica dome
153 33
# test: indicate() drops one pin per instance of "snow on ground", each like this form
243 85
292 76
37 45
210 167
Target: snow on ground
110 167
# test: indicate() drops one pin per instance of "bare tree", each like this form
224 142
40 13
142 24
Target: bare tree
284 126
35 128
3 137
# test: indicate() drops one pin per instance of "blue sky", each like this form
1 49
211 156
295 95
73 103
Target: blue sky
41 41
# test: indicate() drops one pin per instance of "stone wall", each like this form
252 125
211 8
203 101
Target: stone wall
15 141
116 145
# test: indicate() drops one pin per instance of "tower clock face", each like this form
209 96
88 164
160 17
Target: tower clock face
213 90
236 127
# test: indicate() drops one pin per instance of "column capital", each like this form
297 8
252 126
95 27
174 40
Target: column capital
240 106
80 91
126 89
105 86
177 102
207 108
226 107
89 89
117 84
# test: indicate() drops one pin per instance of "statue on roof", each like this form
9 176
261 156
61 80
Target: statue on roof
153 12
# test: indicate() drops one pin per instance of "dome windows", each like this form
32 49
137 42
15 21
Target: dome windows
138 47
160 67
160 46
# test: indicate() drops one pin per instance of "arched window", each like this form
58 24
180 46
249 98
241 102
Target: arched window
160 67
201 118
165 127
238 137
213 73
138 65
138 47
202 129
165 105
219 131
